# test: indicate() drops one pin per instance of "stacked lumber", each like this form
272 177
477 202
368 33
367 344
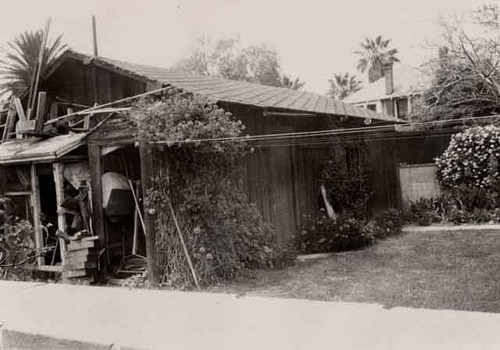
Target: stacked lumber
82 261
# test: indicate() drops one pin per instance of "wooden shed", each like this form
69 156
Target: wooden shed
281 178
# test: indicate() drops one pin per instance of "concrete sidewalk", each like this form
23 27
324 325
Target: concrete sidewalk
53 316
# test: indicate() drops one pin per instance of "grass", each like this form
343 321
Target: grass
450 270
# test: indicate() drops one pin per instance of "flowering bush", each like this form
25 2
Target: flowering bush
225 235
472 159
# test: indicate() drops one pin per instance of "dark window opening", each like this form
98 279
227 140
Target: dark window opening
402 107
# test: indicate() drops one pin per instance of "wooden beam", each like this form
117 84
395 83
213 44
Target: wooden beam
147 172
9 124
58 169
94 36
100 107
40 112
95 166
53 110
20 110
18 193
39 65
37 222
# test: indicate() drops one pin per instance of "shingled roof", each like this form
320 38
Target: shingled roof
224 90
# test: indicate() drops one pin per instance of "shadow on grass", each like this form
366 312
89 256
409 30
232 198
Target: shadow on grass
447 270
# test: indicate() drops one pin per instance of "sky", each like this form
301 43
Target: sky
314 38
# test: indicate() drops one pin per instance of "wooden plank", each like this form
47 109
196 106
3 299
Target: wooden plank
37 223
18 193
92 238
95 165
74 273
82 255
81 265
79 245
9 124
105 93
53 110
39 65
40 111
94 36
58 170
296 187
46 268
20 109
147 173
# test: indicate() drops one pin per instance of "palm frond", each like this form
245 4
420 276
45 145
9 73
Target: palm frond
21 59
375 52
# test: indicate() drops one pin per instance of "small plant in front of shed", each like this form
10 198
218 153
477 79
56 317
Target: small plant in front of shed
17 249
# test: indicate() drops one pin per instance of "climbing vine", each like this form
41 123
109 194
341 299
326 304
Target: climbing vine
197 166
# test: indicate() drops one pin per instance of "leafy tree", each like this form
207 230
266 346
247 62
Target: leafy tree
342 85
290 83
467 70
374 54
229 59
21 59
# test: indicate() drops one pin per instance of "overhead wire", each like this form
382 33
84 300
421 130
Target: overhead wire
330 132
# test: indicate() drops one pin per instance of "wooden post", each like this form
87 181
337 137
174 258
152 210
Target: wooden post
39 67
95 165
40 112
58 170
94 36
146 155
37 223
9 124
20 110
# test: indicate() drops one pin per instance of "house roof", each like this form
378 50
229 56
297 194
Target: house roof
36 149
232 91
407 81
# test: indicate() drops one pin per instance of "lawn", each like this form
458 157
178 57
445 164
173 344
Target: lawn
450 270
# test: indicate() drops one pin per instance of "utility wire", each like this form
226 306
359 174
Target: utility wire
330 132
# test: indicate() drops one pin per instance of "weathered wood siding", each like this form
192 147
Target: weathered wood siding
281 178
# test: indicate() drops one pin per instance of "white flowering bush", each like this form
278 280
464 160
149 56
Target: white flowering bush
472 159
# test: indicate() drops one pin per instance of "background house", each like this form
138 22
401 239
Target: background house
392 90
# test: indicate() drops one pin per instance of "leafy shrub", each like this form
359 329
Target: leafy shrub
16 243
16 249
455 207
327 235
469 168
347 187
224 233
426 211
388 223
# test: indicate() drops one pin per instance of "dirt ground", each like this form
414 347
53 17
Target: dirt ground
450 270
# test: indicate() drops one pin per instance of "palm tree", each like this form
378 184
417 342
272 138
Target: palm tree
342 85
374 54
21 59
